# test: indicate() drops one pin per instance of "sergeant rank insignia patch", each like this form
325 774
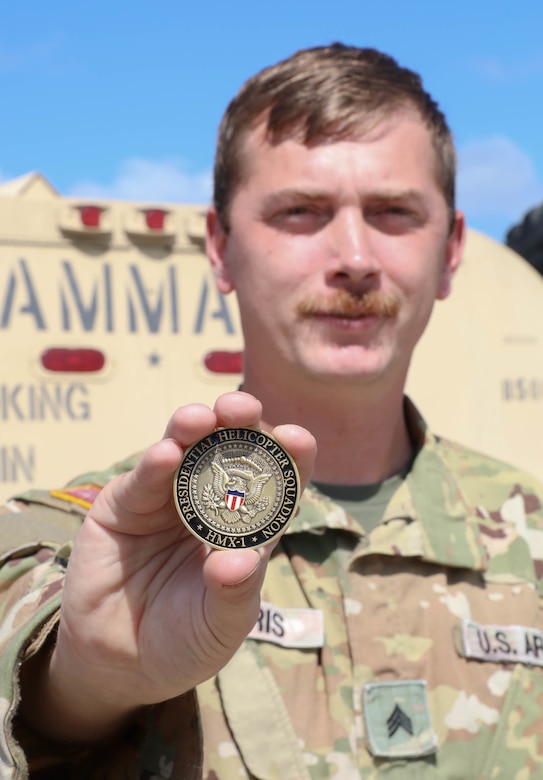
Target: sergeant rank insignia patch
398 719
236 488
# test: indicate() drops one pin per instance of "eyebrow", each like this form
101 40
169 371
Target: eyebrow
294 193
398 194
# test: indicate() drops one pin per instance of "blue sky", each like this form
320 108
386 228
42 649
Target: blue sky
122 99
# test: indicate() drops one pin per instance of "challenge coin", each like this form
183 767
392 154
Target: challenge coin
236 488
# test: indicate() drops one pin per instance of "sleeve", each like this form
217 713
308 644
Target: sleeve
162 738
31 579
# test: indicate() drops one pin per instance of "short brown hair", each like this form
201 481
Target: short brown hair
322 93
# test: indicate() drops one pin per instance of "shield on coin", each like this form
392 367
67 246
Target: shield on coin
234 499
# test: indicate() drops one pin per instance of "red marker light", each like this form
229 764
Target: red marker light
224 362
154 218
90 215
80 360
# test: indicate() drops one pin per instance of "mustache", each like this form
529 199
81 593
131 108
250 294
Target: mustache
346 303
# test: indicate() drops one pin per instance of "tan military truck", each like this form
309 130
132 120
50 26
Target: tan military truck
109 319
478 371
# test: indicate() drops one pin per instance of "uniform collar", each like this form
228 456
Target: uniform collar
428 516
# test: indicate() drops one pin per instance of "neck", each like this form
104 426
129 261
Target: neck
361 433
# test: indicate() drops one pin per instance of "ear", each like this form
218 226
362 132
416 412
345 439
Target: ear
453 256
216 246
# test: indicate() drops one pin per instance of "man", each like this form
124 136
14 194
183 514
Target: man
400 630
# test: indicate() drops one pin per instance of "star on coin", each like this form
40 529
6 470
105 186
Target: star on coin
236 488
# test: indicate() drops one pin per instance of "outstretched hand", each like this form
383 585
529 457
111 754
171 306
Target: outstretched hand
148 611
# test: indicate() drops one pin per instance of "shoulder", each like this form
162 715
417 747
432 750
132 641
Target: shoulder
487 481
467 463
499 507
479 476
77 494
55 515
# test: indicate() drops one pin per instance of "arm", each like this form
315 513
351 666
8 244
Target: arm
147 612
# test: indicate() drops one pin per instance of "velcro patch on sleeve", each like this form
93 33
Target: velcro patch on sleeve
289 627
500 644
82 495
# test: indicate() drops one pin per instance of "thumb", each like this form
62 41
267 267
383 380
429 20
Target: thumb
234 580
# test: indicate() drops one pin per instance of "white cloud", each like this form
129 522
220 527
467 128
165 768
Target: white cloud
496 178
33 54
137 179
500 71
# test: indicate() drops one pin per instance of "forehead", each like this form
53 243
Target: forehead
397 145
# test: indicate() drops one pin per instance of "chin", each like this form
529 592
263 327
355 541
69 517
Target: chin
346 374
349 364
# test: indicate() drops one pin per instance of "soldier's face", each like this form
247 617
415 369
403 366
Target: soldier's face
337 251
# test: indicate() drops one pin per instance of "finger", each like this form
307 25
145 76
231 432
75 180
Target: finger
190 423
148 487
237 410
194 421
140 501
232 569
234 580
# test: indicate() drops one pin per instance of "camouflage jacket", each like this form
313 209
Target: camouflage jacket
413 652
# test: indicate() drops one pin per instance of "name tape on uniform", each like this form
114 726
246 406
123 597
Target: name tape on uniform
501 644
289 627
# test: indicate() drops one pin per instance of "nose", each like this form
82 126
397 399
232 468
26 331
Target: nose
351 250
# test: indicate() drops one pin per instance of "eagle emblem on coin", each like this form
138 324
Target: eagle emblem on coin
236 488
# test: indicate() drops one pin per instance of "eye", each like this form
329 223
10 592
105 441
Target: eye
300 218
299 211
400 211
395 210
395 218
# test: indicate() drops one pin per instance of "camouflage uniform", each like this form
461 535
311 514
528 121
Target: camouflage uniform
413 652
